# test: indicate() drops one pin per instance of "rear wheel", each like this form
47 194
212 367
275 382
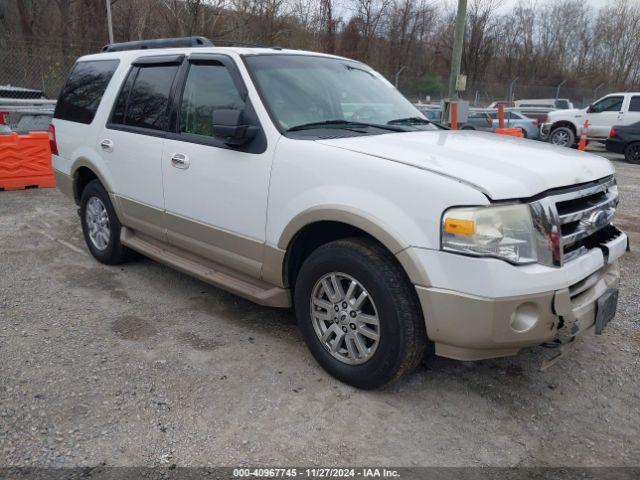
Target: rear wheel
632 153
100 226
359 314
562 137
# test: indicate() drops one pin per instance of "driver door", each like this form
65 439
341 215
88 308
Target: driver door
215 195
604 114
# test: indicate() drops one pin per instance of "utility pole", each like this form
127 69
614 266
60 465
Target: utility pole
109 21
458 42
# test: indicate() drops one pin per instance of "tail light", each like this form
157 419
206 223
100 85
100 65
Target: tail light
4 118
52 139
612 133
536 122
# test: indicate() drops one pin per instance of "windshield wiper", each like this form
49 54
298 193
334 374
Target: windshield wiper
343 123
409 121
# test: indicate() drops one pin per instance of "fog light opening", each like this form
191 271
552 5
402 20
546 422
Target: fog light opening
525 317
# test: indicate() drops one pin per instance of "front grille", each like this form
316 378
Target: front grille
571 221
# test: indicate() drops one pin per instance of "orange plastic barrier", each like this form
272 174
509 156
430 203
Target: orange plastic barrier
25 161
512 132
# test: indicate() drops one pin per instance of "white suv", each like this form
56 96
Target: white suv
301 179
563 127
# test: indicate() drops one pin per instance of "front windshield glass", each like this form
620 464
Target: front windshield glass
302 90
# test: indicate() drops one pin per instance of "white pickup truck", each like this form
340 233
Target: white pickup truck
563 127
300 179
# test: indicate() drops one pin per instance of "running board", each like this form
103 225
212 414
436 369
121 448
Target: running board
217 275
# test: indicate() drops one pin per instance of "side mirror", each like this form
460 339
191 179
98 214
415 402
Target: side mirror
590 109
230 128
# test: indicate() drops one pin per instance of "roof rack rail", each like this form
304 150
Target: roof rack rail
234 43
180 42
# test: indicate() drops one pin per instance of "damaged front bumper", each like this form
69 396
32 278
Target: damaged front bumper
470 327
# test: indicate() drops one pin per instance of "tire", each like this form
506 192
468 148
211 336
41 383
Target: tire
632 153
524 133
562 137
391 299
105 248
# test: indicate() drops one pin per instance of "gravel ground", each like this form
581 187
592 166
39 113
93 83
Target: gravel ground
142 365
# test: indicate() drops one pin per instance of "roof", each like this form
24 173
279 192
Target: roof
130 55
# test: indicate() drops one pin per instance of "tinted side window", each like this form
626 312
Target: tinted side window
147 99
121 102
634 106
83 91
609 104
208 87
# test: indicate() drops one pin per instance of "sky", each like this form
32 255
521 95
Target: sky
508 4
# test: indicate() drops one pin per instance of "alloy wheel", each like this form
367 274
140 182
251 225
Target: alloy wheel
345 318
97 220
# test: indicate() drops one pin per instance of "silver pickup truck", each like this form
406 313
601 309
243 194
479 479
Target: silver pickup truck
24 110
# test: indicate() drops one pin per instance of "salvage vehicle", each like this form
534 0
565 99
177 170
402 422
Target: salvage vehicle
389 235
563 127
625 139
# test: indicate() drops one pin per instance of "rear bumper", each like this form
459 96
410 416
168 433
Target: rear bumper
468 326
64 183
614 145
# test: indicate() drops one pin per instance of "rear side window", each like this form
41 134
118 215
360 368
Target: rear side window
83 90
634 106
144 97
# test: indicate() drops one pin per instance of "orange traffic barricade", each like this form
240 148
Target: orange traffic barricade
512 132
25 161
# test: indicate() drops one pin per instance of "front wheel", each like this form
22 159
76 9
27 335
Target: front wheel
562 137
359 314
632 153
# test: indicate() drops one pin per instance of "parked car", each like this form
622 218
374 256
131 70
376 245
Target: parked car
512 119
386 232
24 110
432 113
554 103
541 114
564 126
625 139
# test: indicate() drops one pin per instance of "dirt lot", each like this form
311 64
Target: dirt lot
142 365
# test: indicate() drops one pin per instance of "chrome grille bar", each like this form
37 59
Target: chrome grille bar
589 216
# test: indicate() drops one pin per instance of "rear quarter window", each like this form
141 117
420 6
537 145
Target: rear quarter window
83 90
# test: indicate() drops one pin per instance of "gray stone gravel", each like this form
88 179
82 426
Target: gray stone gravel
142 365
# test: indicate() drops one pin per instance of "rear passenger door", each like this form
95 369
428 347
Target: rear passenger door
632 114
133 140
215 194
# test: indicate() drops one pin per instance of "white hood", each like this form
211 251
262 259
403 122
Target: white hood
500 166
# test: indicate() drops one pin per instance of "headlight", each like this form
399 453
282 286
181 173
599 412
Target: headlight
504 232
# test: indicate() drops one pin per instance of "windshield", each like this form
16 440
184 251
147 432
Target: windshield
309 92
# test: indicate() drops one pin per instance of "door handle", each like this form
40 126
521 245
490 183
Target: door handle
107 145
180 160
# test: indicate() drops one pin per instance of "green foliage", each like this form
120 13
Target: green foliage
430 84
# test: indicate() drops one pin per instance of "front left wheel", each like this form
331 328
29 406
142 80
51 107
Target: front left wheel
100 226
359 314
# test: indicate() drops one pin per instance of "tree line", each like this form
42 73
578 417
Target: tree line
542 43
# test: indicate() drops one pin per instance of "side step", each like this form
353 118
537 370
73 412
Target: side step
242 285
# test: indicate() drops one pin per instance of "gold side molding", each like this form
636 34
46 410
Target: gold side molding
203 269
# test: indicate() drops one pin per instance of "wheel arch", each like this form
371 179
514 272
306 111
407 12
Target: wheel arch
83 171
317 226
565 123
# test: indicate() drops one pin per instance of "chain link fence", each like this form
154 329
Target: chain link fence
36 69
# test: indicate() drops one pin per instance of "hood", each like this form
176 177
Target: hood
502 167
567 114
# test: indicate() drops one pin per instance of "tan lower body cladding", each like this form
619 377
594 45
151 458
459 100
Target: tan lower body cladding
221 258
